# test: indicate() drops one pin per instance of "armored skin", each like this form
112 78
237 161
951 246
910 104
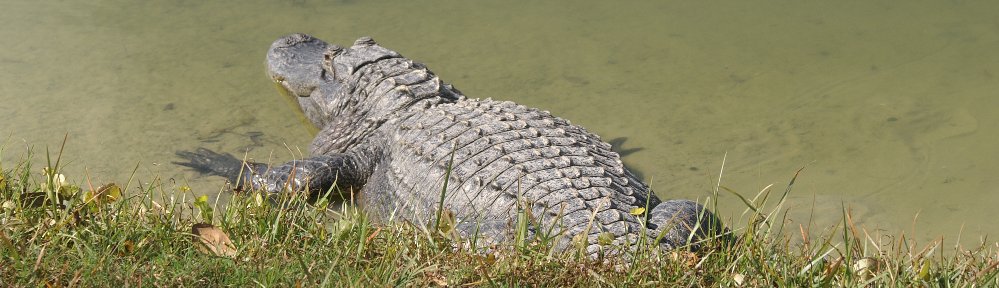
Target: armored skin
390 131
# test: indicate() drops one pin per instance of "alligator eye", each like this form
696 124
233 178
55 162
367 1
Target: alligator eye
328 56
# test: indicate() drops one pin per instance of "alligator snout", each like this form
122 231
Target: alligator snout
295 62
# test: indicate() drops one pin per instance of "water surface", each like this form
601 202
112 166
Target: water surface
888 105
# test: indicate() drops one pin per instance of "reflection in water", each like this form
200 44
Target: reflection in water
887 104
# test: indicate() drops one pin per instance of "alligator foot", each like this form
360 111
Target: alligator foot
212 163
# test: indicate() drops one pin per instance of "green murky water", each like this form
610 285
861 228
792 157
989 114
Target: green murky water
890 105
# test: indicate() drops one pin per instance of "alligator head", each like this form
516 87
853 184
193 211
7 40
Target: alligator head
348 92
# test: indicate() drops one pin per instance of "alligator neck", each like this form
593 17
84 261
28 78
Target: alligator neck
376 92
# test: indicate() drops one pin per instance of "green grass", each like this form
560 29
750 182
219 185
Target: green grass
95 234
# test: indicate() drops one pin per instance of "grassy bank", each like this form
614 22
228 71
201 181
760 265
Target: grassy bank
64 233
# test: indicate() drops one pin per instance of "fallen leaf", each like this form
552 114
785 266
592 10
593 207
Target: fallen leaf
105 194
436 278
924 271
739 279
214 240
259 199
447 222
126 248
490 259
637 211
110 192
687 258
865 267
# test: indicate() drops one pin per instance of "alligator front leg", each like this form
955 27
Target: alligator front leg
316 174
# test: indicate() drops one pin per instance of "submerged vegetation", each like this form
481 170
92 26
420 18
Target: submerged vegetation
56 233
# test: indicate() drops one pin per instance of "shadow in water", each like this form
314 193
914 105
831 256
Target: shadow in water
617 145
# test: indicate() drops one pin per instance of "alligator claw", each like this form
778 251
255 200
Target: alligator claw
209 162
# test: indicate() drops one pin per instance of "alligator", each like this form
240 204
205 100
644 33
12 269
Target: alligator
407 145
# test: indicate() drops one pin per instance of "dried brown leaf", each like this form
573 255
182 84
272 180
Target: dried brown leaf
436 278
214 241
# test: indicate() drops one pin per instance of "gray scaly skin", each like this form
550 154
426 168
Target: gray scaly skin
388 128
